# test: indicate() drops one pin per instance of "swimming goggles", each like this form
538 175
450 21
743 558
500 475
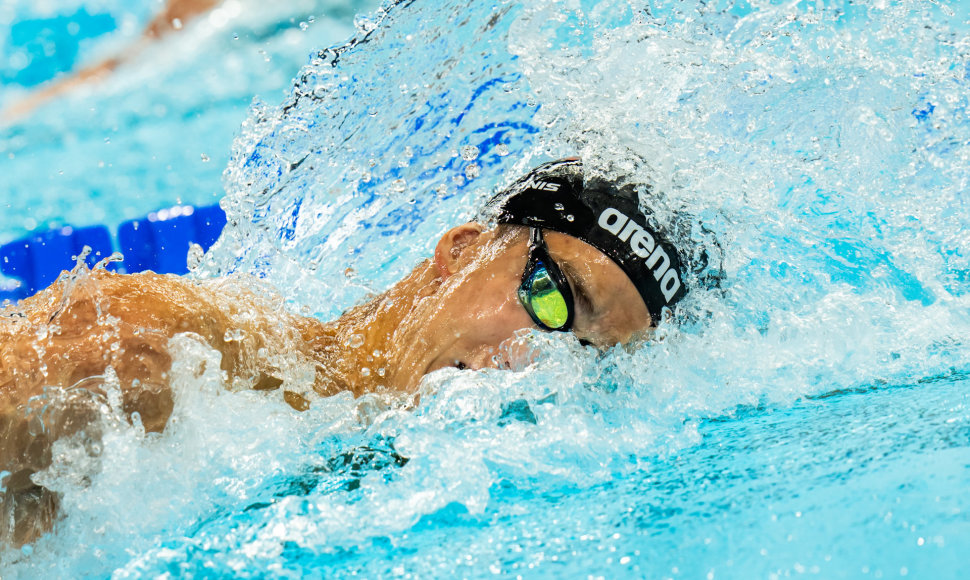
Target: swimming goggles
545 292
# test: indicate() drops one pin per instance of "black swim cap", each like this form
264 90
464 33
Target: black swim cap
554 196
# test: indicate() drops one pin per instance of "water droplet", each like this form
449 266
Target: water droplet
234 334
570 218
502 149
177 23
355 340
469 153
399 185
365 372
363 24
194 258
381 371
205 158
473 171
406 157
304 26
559 207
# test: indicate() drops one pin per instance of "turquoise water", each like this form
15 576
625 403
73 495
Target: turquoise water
159 132
809 417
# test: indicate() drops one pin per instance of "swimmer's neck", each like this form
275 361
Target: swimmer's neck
370 347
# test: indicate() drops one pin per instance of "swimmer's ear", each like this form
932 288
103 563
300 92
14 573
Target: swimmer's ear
451 246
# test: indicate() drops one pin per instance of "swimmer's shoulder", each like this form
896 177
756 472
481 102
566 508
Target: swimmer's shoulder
86 298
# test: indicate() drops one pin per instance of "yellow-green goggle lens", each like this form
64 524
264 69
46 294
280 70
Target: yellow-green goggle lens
546 300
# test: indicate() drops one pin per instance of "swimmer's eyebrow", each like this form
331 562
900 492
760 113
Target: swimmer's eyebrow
580 291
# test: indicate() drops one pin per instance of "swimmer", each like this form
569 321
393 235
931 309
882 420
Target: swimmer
566 255
172 18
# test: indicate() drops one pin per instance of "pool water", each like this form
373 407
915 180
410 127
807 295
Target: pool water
807 417
160 131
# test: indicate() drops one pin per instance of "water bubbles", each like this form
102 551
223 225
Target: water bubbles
469 152
355 340
570 217
472 171
234 335
194 257
304 26
364 24
406 157
501 149
399 185
559 207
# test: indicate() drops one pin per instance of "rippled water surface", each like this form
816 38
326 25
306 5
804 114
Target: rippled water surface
809 416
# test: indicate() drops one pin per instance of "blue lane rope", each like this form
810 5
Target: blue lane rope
158 242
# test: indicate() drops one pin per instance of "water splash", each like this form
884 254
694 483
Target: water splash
825 142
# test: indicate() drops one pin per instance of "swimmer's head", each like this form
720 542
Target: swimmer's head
556 197
568 254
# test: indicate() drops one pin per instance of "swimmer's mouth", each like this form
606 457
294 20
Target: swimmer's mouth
499 364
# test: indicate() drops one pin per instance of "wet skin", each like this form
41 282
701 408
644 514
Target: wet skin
476 311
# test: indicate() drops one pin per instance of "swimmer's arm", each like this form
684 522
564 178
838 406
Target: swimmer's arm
126 322
173 17
74 331
176 14
55 339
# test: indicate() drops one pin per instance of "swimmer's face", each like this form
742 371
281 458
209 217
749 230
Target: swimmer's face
476 312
